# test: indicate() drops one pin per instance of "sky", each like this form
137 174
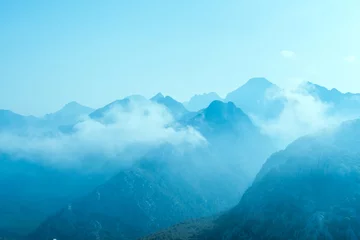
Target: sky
94 52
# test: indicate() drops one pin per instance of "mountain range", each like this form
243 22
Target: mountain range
167 186
287 194
310 190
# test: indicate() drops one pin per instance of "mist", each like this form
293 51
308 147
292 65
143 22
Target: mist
140 125
302 114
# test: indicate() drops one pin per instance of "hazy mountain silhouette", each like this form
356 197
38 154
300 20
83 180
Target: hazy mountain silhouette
166 186
308 191
31 191
11 121
256 97
122 104
71 113
176 108
340 103
230 131
200 101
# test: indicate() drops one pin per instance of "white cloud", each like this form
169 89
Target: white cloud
287 54
129 134
302 114
350 59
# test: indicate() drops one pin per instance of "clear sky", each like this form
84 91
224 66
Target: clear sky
93 52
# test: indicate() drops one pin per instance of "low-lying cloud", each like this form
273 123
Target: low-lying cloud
126 135
302 114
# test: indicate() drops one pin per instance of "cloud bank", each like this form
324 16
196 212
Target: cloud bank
302 114
127 134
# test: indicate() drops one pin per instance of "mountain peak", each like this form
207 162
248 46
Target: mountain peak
259 82
157 97
72 105
201 101
219 111
135 97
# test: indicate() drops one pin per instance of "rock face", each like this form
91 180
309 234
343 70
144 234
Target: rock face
311 190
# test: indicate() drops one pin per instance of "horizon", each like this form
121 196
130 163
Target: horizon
94 52
166 95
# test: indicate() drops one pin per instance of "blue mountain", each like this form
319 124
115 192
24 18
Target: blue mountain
340 103
10 121
200 101
176 108
256 97
168 185
310 190
122 104
71 113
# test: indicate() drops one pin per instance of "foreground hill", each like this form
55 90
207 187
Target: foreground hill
310 190
31 191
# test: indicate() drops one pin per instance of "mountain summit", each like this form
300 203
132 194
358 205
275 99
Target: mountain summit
254 97
201 101
71 113
174 107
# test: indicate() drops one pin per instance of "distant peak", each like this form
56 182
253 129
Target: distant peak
314 86
157 97
259 81
220 111
206 94
71 104
135 97
218 105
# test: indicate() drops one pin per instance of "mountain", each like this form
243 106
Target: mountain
31 191
231 132
201 101
160 190
310 190
257 97
176 108
168 185
10 121
71 113
125 105
341 103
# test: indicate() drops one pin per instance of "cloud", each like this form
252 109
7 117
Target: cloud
302 114
350 59
287 54
128 134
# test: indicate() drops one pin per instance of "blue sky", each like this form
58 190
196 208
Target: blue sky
93 52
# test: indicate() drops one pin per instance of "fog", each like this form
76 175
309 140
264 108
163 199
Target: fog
302 114
144 125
